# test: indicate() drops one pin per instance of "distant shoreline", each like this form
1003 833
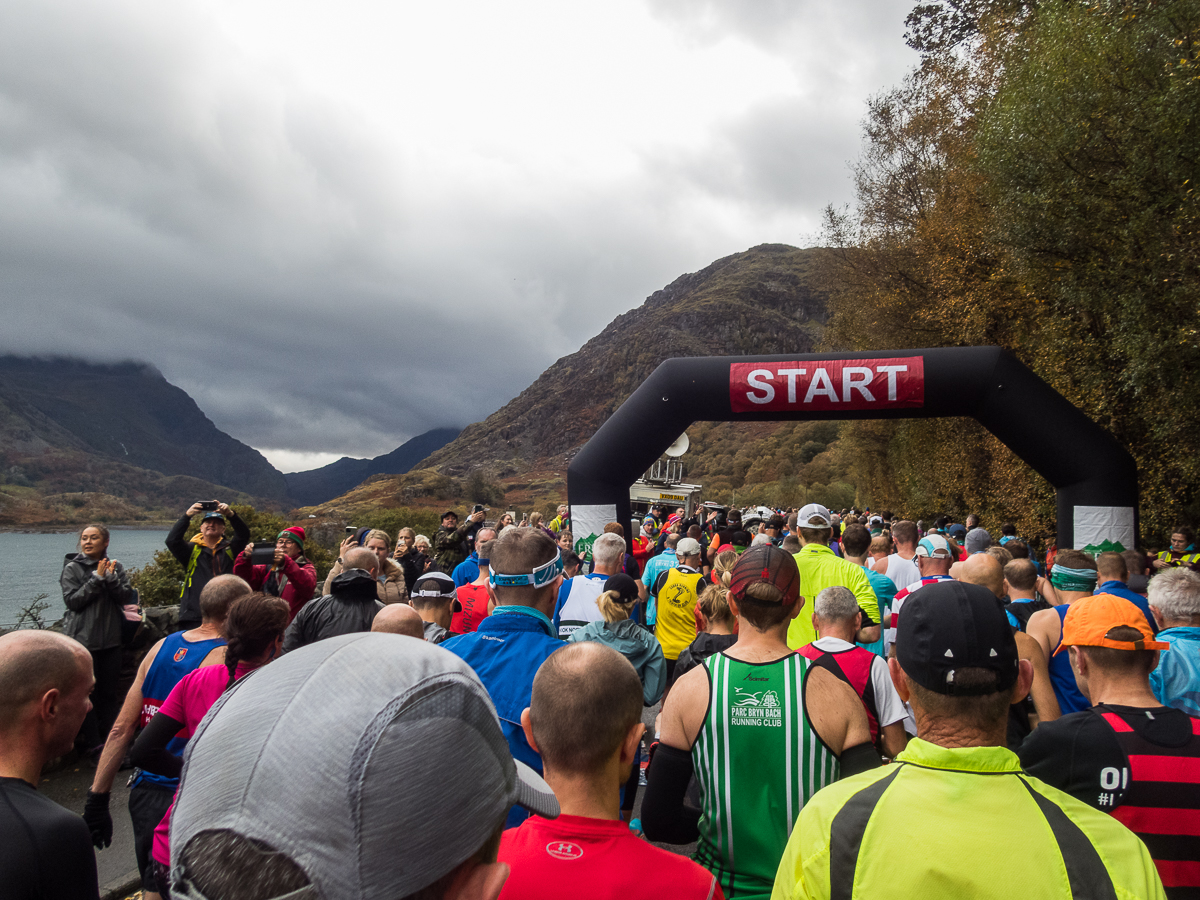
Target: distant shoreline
73 529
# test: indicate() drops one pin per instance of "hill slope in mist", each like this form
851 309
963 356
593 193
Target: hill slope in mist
761 301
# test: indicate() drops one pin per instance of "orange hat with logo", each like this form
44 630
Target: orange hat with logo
1088 623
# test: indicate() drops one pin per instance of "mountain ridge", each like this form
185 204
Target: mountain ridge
315 486
129 412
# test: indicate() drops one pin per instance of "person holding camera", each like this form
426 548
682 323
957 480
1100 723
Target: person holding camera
390 583
206 555
288 574
452 543
411 558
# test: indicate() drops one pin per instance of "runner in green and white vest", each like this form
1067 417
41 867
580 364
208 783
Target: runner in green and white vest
761 730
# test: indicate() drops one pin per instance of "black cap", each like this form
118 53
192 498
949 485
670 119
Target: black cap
950 625
625 587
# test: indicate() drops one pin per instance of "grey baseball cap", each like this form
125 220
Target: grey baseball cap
977 540
375 763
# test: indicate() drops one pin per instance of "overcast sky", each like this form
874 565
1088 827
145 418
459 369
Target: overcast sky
337 225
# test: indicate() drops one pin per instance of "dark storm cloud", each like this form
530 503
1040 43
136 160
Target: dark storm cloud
314 285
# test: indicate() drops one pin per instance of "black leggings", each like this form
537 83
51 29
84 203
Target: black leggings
106 698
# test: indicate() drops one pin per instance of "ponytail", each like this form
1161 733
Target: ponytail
254 623
714 604
723 567
612 608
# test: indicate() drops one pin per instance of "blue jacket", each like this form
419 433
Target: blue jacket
1176 681
506 651
466 571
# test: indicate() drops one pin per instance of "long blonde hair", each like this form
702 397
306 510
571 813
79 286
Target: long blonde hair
612 608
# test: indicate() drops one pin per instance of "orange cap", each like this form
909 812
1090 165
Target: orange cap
1089 621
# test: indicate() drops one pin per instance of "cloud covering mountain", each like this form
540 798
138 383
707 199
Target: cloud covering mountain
339 226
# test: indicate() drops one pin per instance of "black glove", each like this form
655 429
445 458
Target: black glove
98 819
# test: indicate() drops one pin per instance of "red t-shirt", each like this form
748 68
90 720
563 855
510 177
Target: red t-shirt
474 600
582 858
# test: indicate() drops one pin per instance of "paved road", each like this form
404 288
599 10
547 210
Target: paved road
69 787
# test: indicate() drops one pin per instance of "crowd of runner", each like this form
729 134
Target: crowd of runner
468 716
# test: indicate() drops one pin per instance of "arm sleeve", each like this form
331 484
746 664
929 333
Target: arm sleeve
122 591
293 638
176 544
79 593
243 569
664 817
859 758
150 752
303 577
72 876
241 533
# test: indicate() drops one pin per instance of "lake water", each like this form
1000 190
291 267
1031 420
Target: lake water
31 563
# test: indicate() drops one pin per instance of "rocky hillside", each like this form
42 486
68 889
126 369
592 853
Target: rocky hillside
116 437
319 485
760 301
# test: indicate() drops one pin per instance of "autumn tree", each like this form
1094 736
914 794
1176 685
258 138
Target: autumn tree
1029 185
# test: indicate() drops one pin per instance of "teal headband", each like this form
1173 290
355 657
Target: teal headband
539 577
1073 579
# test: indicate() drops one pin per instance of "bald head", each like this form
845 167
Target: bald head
33 663
218 595
982 569
361 558
399 618
585 699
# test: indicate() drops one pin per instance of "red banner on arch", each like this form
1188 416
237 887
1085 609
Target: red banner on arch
828 385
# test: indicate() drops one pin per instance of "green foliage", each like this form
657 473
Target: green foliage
479 489
422 521
1091 149
158 583
1032 188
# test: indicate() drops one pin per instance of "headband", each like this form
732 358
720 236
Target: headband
539 577
1073 579
436 594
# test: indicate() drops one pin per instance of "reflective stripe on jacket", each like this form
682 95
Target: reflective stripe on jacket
929 826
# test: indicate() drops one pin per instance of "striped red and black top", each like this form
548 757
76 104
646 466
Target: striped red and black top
1159 800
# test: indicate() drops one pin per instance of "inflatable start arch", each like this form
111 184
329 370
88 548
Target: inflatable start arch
1094 477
